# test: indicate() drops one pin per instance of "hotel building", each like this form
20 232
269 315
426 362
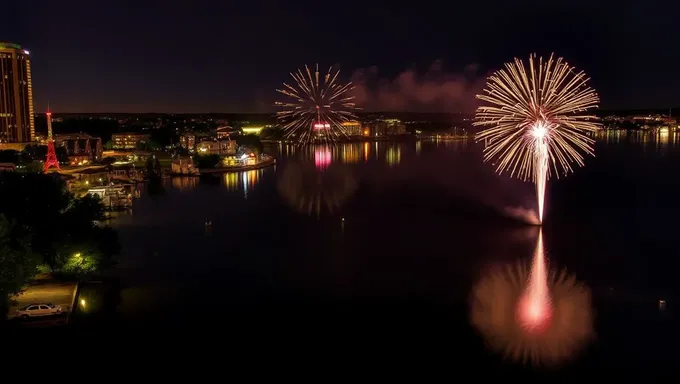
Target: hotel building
17 124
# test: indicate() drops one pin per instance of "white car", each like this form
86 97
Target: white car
40 309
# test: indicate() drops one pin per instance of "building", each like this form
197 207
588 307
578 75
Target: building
224 132
395 127
129 140
377 128
216 147
8 167
184 166
188 141
81 148
17 123
352 128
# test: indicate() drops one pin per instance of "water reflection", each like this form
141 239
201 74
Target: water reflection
393 156
245 181
310 189
556 331
184 183
661 140
386 152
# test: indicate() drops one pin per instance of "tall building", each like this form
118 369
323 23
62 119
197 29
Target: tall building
17 124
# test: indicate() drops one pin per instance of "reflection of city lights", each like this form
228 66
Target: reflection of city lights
367 150
231 181
350 154
184 183
322 157
393 156
250 179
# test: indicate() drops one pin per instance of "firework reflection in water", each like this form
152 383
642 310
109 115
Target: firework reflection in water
531 314
311 190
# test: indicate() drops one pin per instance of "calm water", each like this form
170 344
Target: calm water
384 241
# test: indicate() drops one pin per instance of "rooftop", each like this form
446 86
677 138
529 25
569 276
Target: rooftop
11 46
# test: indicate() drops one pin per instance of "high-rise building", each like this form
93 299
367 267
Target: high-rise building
17 124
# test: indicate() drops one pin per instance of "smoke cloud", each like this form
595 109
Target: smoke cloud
433 91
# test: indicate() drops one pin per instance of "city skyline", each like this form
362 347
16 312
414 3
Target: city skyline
113 59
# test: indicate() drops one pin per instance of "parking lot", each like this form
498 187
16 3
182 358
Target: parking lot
46 290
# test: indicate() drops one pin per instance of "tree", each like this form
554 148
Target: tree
10 156
149 145
108 145
251 142
206 161
59 224
271 133
17 262
153 167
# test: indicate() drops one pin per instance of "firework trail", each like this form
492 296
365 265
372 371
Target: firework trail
535 121
533 315
316 106
309 189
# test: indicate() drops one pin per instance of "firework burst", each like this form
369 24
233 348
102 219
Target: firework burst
532 315
535 120
317 106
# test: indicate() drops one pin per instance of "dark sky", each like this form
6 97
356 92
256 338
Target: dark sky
230 56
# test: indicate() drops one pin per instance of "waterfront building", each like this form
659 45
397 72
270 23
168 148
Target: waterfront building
352 128
17 124
216 147
395 127
184 166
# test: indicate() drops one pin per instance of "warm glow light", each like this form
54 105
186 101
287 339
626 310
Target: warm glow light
252 130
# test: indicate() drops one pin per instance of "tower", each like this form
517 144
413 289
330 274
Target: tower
16 95
51 160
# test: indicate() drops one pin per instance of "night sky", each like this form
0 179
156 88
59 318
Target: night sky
230 56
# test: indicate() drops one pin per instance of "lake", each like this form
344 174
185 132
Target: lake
385 241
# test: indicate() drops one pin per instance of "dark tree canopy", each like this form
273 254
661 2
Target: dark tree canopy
58 224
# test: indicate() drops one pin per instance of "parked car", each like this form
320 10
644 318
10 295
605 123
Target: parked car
39 309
